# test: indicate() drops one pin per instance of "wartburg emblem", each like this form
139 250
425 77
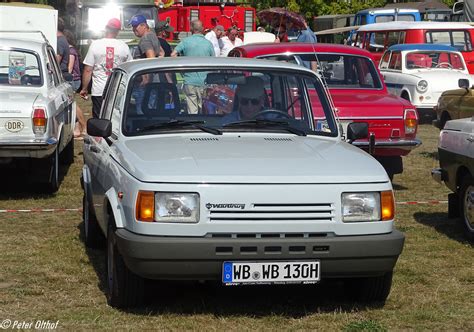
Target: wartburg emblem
225 206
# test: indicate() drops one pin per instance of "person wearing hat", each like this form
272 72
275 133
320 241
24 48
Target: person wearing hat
162 30
214 36
249 100
103 55
148 46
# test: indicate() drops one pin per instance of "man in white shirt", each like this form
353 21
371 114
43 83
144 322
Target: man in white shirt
214 36
230 41
103 55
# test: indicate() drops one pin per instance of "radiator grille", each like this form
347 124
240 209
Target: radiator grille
271 212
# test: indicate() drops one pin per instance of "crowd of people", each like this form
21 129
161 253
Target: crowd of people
107 53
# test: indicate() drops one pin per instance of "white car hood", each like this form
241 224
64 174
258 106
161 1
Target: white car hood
17 104
442 80
246 158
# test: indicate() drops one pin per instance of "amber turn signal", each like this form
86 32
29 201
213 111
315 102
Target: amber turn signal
145 208
388 205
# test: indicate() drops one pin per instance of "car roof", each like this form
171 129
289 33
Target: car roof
253 50
23 43
184 62
405 25
388 10
422 47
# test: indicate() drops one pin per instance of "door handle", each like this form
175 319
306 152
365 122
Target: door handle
95 149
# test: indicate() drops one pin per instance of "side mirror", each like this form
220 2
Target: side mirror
68 77
357 130
463 83
99 127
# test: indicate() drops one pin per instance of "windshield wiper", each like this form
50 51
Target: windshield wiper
266 123
179 123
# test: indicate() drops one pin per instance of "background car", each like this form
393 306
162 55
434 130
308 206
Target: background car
358 92
421 72
455 104
456 160
37 112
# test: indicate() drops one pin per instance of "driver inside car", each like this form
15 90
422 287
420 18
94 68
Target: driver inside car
250 100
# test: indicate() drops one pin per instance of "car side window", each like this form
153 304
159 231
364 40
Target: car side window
395 61
117 109
52 67
385 60
376 42
109 99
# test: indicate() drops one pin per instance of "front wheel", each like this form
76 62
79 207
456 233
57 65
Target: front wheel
370 289
466 206
124 288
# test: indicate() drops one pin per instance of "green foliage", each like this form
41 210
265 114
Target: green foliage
312 8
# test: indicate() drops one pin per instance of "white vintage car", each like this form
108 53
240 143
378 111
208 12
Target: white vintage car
37 110
251 183
420 73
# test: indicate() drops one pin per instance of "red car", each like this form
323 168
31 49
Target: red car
358 92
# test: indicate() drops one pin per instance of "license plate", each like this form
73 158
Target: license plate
14 126
234 273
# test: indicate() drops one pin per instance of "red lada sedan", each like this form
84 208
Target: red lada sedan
358 92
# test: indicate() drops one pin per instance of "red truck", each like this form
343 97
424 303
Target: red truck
228 13
358 91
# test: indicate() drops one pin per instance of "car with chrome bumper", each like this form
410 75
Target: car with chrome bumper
37 112
358 92
256 193
420 73
456 160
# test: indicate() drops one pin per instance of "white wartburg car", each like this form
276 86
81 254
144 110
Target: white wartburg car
37 110
236 173
420 73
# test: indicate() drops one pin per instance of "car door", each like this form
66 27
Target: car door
391 67
466 105
99 148
57 98
67 115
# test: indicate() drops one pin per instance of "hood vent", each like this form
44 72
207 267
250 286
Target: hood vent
278 139
203 139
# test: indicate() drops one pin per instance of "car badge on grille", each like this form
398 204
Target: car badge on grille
225 206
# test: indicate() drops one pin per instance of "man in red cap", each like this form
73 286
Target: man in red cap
103 55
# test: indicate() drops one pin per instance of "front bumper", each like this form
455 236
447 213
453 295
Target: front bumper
184 258
28 149
439 175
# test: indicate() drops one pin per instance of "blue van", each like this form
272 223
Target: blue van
380 15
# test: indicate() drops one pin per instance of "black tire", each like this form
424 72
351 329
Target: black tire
53 173
124 288
371 289
93 237
466 206
67 155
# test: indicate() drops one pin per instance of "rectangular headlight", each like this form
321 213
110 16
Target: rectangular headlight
176 207
363 206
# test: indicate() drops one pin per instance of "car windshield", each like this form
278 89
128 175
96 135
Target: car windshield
19 68
344 71
434 59
217 101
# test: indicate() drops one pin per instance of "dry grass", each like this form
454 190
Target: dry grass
46 273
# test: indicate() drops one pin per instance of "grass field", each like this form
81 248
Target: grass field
47 274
